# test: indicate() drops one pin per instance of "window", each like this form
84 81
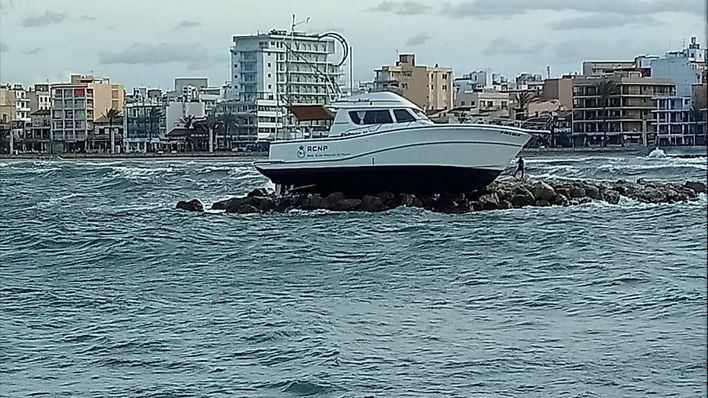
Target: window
444 87
371 117
403 116
269 75
270 86
269 64
444 76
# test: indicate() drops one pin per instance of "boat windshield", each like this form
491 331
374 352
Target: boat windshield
421 115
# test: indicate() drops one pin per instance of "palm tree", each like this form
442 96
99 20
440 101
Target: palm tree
189 123
605 89
112 115
154 119
523 99
227 120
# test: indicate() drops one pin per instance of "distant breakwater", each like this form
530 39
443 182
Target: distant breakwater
501 194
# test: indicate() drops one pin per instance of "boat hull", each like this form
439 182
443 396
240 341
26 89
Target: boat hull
421 159
372 179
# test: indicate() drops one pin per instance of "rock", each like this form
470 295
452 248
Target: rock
542 203
560 200
312 201
563 190
577 192
247 209
449 197
410 200
192 205
505 204
580 201
284 205
473 205
593 192
262 203
345 205
233 204
696 186
450 207
651 195
542 191
260 192
372 203
489 201
429 200
388 198
220 205
611 196
522 197
335 197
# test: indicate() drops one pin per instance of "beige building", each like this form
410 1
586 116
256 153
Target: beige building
558 89
78 104
40 97
8 110
628 117
484 102
428 87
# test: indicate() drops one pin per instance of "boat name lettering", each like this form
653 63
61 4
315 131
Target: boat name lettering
316 148
509 133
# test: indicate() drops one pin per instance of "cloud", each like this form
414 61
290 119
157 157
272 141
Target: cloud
186 24
484 8
86 18
194 55
418 39
599 21
32 51
48 18
407 7
4 47
501 45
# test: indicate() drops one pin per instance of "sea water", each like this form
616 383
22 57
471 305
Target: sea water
107 290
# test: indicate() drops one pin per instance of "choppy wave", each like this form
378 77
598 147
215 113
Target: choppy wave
107 290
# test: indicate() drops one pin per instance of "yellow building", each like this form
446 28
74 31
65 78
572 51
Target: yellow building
428 87
78 104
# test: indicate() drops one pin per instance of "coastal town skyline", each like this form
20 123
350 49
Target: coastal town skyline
472 35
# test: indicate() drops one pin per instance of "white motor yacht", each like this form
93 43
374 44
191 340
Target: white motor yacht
383 142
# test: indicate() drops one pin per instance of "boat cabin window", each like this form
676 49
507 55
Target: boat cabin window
403 116
371 117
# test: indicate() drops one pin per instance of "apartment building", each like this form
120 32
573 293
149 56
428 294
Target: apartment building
144 121
276 69
560 89
678 123
628 117
431 88
36 135
39 97
685 67
640 64
78 104
484 102
8 107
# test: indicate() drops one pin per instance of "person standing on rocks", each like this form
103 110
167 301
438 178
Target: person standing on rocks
519 173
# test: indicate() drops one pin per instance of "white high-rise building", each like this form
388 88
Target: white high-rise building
278 69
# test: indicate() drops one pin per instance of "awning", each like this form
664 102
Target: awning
310 112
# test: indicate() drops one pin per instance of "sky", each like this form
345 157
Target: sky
150 42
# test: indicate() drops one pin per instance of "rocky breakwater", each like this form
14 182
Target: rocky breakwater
502 194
